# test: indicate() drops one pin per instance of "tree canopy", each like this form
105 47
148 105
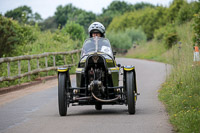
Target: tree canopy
152 18
23 14
12 36
69 13
117 8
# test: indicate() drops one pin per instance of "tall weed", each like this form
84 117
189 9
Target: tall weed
181 92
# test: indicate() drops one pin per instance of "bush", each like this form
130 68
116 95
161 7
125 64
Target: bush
13 36
168 34
173 10
44 42
124 40
171 39
149 19
196 27
137 35
185 13
120 41
75 31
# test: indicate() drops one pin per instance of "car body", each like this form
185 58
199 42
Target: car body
97 79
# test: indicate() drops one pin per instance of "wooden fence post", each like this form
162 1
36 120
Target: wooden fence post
8 67
64 59
78 56
29 69
46 65
38 63
72 59
19 69
54 61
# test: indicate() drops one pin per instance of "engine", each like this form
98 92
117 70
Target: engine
96 76
96 81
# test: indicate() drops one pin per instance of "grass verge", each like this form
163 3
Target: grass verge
181 91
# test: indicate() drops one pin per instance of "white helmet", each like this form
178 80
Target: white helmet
96 26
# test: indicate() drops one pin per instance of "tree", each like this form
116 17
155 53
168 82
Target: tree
12 36
106 18
75 31
37 17
85 19
63 14
70 13
142 5
196 27
23 14
174 9
116 8
148 19
49 24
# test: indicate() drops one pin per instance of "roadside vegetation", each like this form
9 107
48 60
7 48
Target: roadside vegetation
22 39
180 93
143 30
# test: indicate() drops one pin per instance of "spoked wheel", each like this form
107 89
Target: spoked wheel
98 106
130 87
62 94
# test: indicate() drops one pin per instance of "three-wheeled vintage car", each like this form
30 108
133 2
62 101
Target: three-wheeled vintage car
97 79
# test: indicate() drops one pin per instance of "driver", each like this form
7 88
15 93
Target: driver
96 29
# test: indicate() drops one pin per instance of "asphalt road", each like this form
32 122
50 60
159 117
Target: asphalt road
37 112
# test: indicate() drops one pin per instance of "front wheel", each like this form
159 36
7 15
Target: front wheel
130 87
62 98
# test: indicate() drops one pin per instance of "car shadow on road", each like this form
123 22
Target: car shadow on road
99 112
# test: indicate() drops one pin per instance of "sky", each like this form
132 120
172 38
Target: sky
47 8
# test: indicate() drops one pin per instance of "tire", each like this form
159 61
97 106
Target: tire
98 106
62 98
130 87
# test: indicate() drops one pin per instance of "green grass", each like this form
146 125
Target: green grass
151 50
181 91
181 95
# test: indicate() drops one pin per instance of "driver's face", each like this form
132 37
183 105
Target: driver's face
96 34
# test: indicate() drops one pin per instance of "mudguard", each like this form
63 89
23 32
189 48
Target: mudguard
65 70
62 69
131 68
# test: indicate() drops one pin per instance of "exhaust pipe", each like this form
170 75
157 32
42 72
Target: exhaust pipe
106 101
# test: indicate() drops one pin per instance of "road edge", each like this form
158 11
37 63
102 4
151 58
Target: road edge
5 90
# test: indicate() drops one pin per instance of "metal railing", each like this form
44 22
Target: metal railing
38 69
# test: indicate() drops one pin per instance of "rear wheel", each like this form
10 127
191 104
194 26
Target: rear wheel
130 87
62 97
